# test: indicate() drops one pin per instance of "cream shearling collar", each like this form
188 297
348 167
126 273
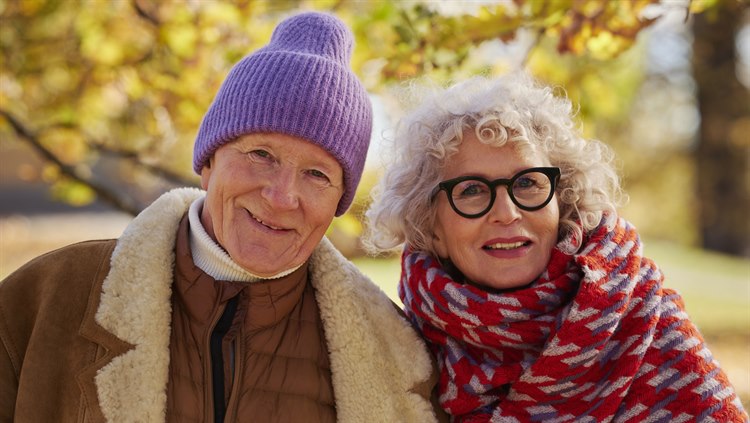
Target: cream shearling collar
376 357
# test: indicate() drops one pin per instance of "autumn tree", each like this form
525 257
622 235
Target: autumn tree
723 152
110 93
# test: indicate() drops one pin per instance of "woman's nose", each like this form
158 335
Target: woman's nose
504 210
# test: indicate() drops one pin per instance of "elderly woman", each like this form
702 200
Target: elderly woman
531 292
227 304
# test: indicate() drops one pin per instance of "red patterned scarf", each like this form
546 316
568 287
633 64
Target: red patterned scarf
596 338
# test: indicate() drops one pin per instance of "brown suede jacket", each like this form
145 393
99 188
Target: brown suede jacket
85 332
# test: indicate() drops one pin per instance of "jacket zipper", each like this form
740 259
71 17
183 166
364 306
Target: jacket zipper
217 358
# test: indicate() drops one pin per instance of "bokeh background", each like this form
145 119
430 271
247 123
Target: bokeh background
100 101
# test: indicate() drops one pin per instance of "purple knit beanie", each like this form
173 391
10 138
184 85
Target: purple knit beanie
299 84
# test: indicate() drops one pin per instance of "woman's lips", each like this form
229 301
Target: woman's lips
504 245
507 248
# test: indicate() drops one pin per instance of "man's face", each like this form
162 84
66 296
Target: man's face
270 198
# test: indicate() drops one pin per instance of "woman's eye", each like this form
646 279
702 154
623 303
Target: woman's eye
524 182
471 189
533 182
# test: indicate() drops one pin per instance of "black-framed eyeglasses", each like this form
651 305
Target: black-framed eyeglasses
473 196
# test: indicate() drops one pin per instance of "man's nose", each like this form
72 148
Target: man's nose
281 191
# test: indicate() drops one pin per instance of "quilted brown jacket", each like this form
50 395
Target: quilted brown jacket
262 344
85 332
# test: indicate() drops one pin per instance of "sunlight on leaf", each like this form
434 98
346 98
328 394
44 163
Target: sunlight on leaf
73 192
181 38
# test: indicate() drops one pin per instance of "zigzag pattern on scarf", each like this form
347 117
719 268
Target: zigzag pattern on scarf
596 338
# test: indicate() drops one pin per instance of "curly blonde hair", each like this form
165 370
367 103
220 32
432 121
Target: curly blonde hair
512 108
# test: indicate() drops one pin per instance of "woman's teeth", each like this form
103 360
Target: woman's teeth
504 246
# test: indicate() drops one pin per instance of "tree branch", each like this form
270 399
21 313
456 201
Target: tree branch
530 48
159 171
122 203
145 15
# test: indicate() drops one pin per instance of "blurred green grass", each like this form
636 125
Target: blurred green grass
715 287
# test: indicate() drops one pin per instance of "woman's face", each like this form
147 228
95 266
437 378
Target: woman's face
270 199
508 247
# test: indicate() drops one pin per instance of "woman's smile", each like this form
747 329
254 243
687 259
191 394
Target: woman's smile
507 249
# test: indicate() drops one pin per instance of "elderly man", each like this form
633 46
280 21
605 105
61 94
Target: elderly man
228 304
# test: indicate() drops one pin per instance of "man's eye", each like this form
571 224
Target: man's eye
318 174
262 154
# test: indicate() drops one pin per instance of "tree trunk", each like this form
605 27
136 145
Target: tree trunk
724 145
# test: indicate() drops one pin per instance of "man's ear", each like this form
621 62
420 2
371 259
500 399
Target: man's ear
206 173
